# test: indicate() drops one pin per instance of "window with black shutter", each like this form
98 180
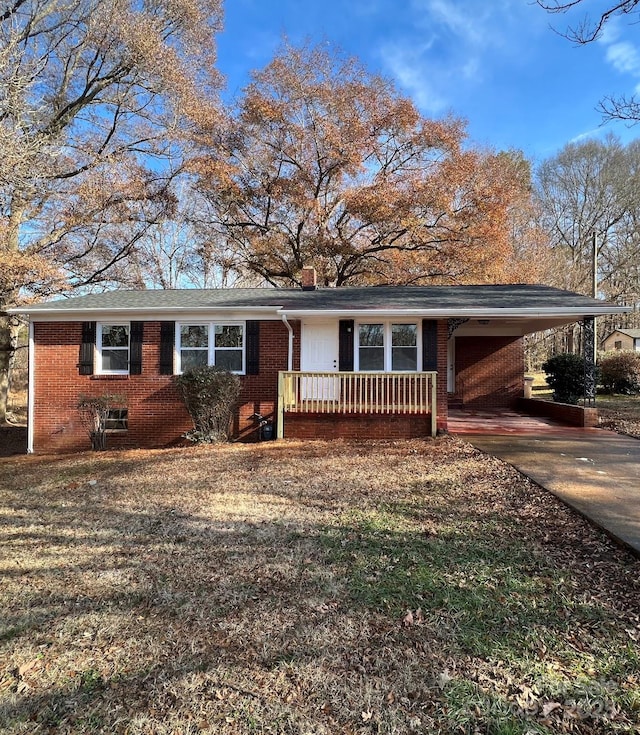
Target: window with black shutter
87 348
167 344
345 345
135 348
429 345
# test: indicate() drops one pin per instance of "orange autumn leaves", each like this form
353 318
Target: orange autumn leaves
324 163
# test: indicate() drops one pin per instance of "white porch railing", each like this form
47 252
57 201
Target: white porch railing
347 392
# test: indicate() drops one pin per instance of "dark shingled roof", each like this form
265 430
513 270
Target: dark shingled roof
374 297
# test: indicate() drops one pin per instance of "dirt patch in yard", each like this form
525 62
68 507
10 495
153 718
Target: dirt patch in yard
321 587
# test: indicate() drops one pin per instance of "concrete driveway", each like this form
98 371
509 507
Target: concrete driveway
595 471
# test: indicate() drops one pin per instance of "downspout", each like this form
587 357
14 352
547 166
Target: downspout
30 389
290 352
281 382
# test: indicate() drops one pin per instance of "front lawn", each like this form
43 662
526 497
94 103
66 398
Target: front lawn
409 587
620 413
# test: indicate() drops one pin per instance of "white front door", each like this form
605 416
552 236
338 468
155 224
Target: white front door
319 354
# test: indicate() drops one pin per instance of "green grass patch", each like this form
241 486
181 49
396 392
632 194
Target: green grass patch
480 592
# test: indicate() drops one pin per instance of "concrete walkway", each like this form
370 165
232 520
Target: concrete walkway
595 471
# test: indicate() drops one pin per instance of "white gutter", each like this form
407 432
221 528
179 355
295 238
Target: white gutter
457 313
63 314
290 352
30 389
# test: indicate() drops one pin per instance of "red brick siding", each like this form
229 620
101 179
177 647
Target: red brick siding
489 371
573 415
442 397
157 416
355 426
260 392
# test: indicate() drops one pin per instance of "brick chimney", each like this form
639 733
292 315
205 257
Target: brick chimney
309 278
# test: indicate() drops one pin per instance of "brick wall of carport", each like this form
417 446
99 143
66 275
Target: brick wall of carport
489 371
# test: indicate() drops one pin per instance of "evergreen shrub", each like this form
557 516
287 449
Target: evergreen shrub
565 375
211 395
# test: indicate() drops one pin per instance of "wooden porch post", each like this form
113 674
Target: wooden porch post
434 405
280 414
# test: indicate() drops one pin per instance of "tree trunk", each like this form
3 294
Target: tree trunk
9 331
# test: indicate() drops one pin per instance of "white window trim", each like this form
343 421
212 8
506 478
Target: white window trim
211 326
386 343
122 430
99 370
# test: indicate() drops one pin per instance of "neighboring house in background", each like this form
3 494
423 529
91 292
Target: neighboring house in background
376 362
622 339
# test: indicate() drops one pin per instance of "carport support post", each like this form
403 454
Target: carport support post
588 337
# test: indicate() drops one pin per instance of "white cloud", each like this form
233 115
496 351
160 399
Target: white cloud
409 67
610 33
444 42
466 40
623 55
468 23
587 135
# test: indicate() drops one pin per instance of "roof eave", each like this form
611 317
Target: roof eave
471 313
155 311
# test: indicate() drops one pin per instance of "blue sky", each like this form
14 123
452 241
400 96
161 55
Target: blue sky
496 63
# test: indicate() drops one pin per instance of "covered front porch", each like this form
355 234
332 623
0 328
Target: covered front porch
382 368
358 394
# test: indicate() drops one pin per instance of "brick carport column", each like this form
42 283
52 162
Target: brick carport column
589 351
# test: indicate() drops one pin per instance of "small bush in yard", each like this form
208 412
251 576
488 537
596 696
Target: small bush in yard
210 395
620 372
94 414
565 375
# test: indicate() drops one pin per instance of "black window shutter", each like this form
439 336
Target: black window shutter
253 347
135 348
429 344
87 348
167 343
345 345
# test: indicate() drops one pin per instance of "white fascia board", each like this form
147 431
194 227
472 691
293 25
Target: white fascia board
277 312
155 314
502 313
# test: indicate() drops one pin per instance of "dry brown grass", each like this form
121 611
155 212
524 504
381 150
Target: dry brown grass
307 588
620 413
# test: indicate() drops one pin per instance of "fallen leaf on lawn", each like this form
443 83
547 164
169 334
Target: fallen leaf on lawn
549 707
22 670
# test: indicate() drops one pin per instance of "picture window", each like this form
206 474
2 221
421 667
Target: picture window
387 346
222 345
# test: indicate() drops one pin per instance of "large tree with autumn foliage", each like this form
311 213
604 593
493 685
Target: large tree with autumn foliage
324 163
93 99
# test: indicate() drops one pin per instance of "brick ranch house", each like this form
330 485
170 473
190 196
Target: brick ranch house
376 362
